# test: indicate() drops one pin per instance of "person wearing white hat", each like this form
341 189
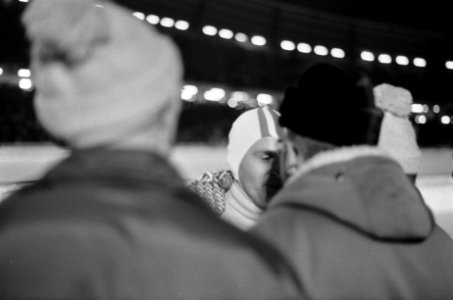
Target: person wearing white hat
114 220
239 195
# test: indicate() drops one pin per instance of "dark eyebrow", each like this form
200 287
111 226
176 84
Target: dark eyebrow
267 152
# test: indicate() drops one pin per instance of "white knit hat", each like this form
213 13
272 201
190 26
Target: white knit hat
246 130
397 135
101 75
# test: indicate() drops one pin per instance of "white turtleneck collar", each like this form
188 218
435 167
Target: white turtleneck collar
240 210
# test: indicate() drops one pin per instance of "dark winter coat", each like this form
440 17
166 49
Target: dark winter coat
122 225
355 228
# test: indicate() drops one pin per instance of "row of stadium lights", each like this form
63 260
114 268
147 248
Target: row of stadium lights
235 99
286 45
421 111
192 93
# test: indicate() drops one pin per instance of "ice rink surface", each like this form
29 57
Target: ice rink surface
25 163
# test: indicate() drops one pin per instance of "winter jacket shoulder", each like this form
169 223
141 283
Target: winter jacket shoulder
110 224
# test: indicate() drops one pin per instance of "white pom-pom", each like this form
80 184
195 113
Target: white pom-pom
392 99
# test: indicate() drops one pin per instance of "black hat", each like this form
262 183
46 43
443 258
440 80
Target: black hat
332 105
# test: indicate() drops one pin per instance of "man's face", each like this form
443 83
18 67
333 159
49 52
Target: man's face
255 167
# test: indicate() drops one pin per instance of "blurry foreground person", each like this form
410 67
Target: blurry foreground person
352 223
239 195
114 220
397 135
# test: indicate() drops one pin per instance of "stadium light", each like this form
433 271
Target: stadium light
1 71
337 53
449 65
320 50
264 99
182 25
402 60
258 40
304 48
209 30
24 73
226 34
25 84
139 15
188 92
436 109
417 108
384 58
239 96
241 37
419 62
232 103
367 56
153 19
287 45
445 120
214 94
421 119
167 22
425 108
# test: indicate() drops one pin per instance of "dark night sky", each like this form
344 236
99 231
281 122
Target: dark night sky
426 15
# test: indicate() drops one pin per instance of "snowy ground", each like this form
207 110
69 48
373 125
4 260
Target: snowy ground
27 163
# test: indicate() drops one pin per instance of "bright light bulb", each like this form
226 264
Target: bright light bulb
287 45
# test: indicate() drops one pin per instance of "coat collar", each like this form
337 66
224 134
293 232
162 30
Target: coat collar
124 167
361 188
337 155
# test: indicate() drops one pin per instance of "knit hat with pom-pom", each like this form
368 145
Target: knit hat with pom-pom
397 135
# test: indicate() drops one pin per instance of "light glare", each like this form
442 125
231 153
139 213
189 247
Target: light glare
214 94
417 108
241 37
264 99
25 84
445 120
287 45
167 22
303 48
449 65
258 40
24 73
188 92
226 33
153 19
239 96
139 15
367 56
209 30
182 25
402 60
419 62
320 50
420 119
337 53
436 109
384 58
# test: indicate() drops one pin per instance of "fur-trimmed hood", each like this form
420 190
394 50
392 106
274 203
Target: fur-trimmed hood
360 187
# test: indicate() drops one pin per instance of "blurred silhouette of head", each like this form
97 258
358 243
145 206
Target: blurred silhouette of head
103 78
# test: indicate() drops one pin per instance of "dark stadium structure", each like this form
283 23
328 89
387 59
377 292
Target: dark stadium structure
411 45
